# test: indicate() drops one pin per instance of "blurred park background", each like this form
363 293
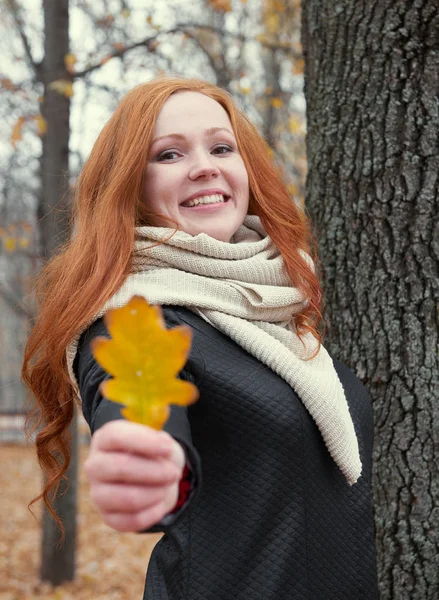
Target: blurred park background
346 95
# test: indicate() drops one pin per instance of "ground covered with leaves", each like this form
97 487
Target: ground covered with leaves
109 565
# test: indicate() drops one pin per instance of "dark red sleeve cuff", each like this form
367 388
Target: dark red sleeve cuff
184 489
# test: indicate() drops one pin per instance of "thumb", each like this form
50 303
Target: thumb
178 455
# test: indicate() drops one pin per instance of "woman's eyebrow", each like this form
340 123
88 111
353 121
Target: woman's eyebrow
209 132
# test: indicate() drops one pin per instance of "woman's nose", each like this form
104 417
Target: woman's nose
203 166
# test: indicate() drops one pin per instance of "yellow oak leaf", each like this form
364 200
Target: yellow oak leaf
144 359
277 102
17 131
272 22
7 84
63 87
41 125
278 6
221 5
153 25
293 190
70 60
9 243
298 66
296 125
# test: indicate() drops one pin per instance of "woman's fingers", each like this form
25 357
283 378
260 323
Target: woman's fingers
134 473
143 519
125 498
132 437
122 467
177 455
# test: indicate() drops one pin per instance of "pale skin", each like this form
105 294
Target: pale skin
134 473
134 470
194 152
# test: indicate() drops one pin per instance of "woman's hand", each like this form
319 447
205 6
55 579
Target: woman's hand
134 473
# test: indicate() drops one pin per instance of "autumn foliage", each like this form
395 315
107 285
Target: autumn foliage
144 359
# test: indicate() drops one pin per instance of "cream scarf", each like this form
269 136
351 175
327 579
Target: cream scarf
241 289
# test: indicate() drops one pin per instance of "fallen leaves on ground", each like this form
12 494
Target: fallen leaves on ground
109 565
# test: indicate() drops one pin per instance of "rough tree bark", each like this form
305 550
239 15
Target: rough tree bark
372 87
52 209
58 560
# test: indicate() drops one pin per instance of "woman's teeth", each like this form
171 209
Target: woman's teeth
204 200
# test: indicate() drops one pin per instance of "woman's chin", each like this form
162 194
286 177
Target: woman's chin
216 233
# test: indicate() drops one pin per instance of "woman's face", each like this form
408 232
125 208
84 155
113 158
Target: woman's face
195 174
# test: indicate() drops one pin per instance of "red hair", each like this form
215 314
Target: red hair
93 265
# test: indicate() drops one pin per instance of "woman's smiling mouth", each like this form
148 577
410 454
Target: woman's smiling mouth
206 202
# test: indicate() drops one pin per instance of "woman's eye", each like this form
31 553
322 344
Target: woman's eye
223 149
168 155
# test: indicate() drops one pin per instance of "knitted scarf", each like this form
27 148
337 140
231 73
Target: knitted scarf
242 289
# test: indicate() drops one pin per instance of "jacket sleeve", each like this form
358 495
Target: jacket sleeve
98 411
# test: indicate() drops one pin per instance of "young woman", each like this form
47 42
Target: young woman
262 487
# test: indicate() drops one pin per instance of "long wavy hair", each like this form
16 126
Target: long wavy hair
92 266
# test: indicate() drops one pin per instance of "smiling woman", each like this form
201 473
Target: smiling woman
262 487
195 173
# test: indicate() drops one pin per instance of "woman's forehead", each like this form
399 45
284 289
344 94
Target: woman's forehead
190 108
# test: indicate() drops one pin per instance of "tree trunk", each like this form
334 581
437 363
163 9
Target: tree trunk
58 560
372 86
53 208
272 75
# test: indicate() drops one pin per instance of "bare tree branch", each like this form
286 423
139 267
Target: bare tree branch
118 53
203 48
185 28
15 10
239 36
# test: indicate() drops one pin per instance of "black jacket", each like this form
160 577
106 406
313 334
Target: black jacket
271 517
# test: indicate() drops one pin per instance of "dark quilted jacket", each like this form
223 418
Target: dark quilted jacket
270 517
